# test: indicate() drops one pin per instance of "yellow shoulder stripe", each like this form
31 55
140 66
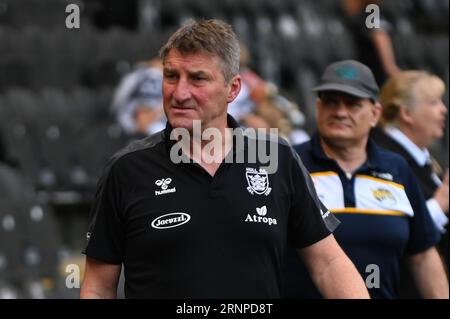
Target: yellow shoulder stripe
329 173
379 180
355 210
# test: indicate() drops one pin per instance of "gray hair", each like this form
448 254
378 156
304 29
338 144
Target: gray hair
211 36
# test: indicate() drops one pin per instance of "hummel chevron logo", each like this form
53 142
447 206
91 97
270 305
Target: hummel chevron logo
164 184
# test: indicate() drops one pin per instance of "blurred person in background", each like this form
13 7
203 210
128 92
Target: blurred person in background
137 102
374 45
260 105
413 119
373 191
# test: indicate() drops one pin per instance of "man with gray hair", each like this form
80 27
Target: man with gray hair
207 229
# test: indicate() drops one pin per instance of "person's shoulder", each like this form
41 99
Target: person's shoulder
136 146
388 143
256 135
379 136
303 148
390 159
277 148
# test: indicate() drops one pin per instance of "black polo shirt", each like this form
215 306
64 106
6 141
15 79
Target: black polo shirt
182 233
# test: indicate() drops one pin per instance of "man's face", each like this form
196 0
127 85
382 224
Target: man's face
345 119
194 89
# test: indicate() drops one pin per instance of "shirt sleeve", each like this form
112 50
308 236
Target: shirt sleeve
105 237
423 233
437 215
309 220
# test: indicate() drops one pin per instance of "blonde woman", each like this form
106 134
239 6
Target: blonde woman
413 118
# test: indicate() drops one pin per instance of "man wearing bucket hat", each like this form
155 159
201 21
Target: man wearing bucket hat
383 213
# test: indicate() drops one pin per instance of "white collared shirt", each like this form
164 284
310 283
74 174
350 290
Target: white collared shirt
422 157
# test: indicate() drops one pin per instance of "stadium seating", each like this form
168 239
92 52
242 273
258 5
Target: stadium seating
29 237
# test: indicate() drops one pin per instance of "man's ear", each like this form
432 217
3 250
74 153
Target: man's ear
376 112
235 88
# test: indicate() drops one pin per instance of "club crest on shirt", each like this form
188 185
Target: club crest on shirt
385 196
258 181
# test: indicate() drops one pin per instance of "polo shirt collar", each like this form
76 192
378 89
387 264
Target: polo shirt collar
373 153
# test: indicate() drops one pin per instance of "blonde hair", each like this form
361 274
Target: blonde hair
406 89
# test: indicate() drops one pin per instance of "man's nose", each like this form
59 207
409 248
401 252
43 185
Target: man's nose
340 109
182 91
